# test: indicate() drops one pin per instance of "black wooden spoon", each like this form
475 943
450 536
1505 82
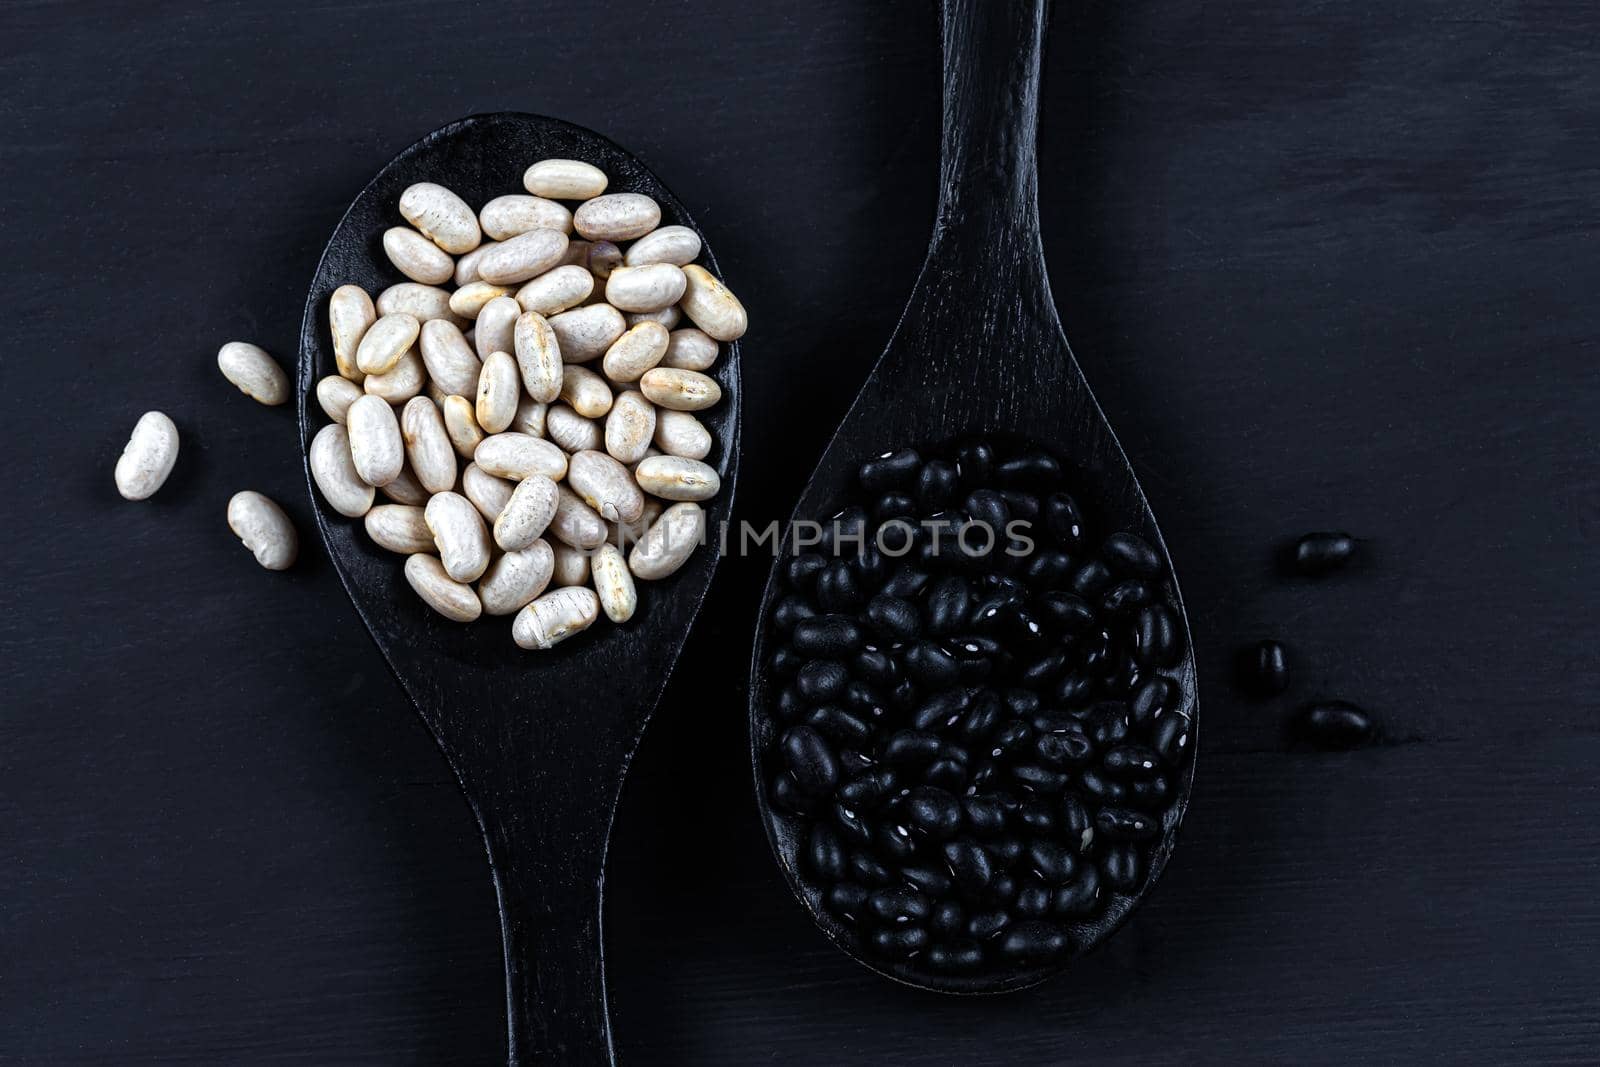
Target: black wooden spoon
979 351
539 740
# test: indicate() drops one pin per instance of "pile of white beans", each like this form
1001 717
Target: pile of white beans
526 402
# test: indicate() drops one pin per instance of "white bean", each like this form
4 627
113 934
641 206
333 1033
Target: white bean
265 530
677 478
605 485
571 565
467 265
495 330
668 543
441 215
586 332
525 256
646 288
527 514
511 216
603 258
680 390
530 417
335 395
148 456
334 471
257 374
613 583
666 317
461 425
630 427
421 302
690 349
516 578
428 447
585 391
399 528
538 356
406 489
617 217
350 313
678 433
386 341
711 306
460 535
469 300
576 523
401 383
518 456
454 600
635 352
417 257
557 290
499 389
554 617
570 430
451 363
487 493
564 179
376 446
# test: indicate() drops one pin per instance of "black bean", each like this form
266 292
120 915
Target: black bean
1037 819
787 796
862 699
1045 669
847 532
853 764
1064 521
982 719
1001 892
946 607
1022 702
934 811
985 815
825 853
1067 747
1102 788
894 541
1048 570
871 566
935 883
969 866
847 900
987 508
946 773
1052 862
929 665
906 583
936 484
1033 899
867 791
951 750
1080 896
1106 723
1015 738
822 680
876 666
1336 724
894 841
1264 669
903 697
851 825
892 506
1155 637
1073 689
1150 794
1043 780
942 710
1154 695
893 618
911 748
1091 579
1170 735
1094 650
954 956
1320 553
1132 761
827 636
801 571
890 470
898 942
1077 826
977 658
1125 597
789 704
1023 505
898 904
1031 469
1130 554
986 924
785 662
975 463
990 614
811 760
867 870
1122 824
838 589
1007 851
839 726
1034 942
790 612
1123 867
948 918
1067 610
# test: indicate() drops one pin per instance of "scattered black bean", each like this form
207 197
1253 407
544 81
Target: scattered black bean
1320 553
1336 725
1264 669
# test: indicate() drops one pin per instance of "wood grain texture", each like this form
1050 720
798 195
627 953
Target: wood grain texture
1326 264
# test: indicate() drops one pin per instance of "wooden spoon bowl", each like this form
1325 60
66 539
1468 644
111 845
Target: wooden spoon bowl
540 741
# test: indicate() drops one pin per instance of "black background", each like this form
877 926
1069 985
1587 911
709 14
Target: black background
1326 263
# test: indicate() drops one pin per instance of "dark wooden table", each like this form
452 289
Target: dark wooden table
1328 264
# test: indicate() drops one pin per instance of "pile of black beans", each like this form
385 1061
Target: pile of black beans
974 744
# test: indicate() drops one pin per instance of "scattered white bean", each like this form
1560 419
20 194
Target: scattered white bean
428 447
406 489
711 306
635 352
680 390
265 530
631 426
527 514
617 217
667 318
554 617
454 600
417 257
459 533
399 528
350 313
564 179
668 543
518 456
148 456
515 578
467 265
613 583
678 433
530 417
441 215
256 373
604 257
585 333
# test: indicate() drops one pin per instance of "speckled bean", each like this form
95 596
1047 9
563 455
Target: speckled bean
680 390
516 578
690 349
570 430
616 217
450 361
571 565
677 478
630 427
576 523
677 245
586 332
399 528
487 493
495 330
668 317
613 583
421 302
469 300
510 216
556 290
538 356
442 216
525 256
605 485
406 489
334 471
530 417
526 515
647 288
404 381
554 617
467 265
